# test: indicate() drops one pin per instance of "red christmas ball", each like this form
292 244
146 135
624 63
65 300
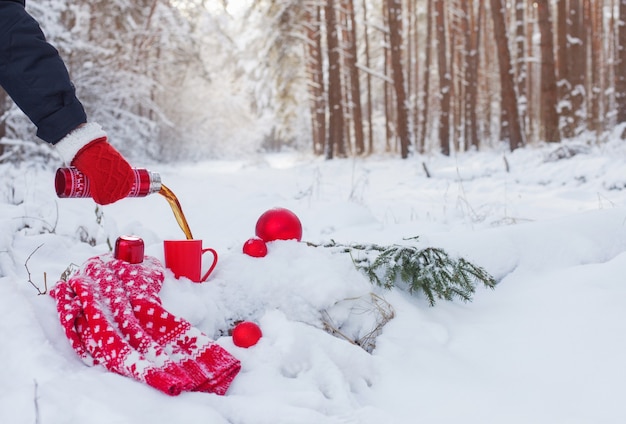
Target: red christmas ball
246 334
255 247
279 224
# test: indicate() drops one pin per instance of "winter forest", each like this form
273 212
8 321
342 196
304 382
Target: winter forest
458 171
186 79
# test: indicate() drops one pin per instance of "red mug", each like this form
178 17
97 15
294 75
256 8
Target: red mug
184 258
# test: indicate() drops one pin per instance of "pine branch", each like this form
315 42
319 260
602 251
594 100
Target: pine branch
430 271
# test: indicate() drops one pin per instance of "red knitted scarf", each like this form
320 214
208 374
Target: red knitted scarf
113 316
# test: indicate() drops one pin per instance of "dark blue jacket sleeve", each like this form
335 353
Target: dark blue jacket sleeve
34 75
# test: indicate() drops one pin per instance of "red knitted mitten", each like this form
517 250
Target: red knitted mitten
108 346
99 339
209 366
72 318
110 176
112 315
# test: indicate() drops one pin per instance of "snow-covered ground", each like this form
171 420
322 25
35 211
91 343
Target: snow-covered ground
545 346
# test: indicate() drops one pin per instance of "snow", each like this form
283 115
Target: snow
545 346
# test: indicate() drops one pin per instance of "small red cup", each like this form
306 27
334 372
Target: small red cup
184 258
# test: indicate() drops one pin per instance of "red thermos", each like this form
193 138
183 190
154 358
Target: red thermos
70 182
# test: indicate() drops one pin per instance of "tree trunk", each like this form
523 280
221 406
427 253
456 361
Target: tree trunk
370 123
620 71
488 80
389 112
548 108
427 65
595 117
520 54
413 70
346 76
316 77
533 67
577 56
394 13
471 94
335 125
564 84
465 52
456 76
510 115
444 77
571 65
355 85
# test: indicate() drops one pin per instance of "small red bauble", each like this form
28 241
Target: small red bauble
279 224
255 247
246 334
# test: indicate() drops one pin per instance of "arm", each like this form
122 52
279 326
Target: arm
34 75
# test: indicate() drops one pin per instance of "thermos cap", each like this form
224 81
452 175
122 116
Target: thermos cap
129 249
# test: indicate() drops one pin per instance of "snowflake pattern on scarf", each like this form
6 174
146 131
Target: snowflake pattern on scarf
112 316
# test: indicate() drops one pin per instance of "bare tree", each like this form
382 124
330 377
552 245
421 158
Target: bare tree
355 86
316 77
427 64
444 76
335 142
563 70
394 12
510 113
548 107
572 65
457 71
620 71
471 95
521 70
595 118
370 122
412 67
577 55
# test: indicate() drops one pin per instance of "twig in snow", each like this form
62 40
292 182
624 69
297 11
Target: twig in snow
36 402
45 281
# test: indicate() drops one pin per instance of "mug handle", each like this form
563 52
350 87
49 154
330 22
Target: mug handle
212 267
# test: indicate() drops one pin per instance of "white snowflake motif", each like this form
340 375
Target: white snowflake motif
188 343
